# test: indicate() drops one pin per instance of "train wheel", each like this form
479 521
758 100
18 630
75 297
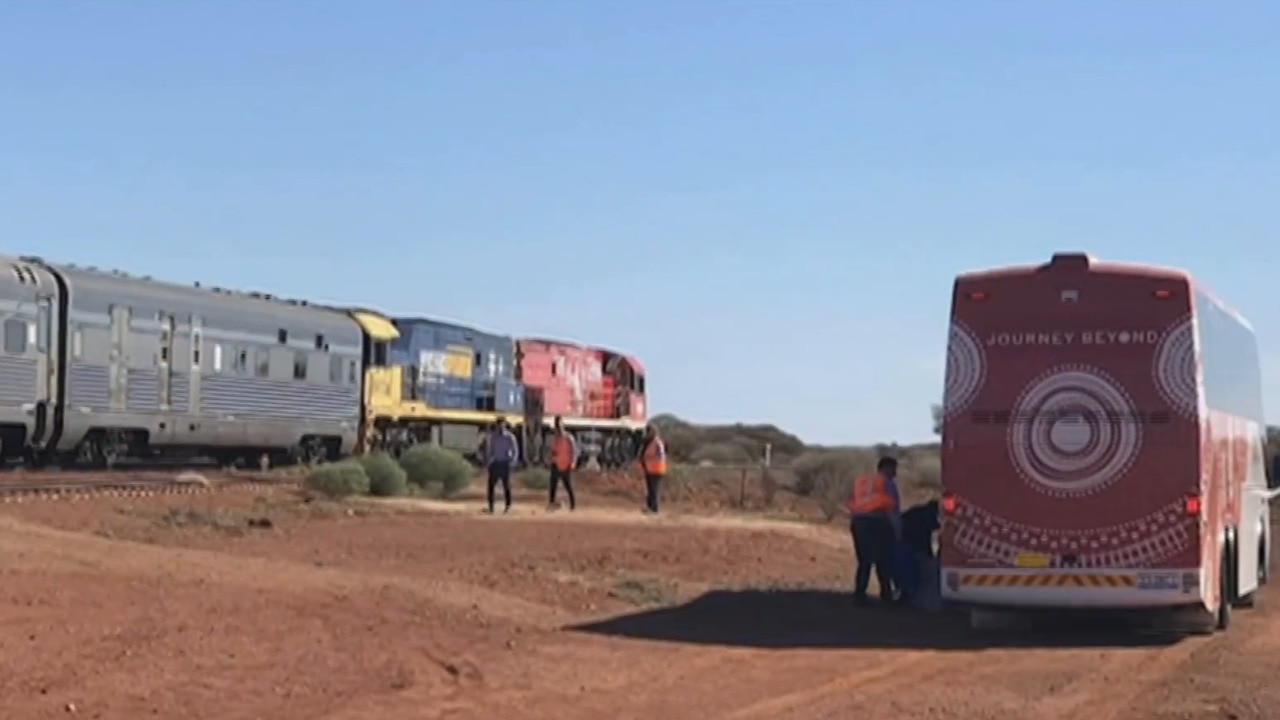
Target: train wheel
312 451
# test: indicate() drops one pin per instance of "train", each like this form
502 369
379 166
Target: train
98 366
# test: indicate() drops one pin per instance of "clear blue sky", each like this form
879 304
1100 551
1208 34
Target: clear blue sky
765 201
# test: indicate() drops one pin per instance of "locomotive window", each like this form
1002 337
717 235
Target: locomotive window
282 336
351 373
15 336
320 342
241 364
77 343
300 366
335 370
380 354
262 363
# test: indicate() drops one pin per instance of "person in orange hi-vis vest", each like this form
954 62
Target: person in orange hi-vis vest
564 456
653 459
874 524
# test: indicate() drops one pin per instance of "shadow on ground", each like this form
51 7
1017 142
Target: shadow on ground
778 619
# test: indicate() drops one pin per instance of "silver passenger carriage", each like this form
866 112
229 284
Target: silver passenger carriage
158 367
29 351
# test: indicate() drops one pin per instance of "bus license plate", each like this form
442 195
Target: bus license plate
1032 560
1159 581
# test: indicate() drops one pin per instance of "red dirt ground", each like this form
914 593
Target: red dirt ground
174 607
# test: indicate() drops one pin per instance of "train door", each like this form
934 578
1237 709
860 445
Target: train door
194 378
164 369
46 369
120 319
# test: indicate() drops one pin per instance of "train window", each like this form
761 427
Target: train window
299 366
262 363
351 373
15 336
77 343
320 342
282 336
43 326
217 357
335 370
380 354
241 364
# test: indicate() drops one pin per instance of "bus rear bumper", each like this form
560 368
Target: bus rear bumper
1070 589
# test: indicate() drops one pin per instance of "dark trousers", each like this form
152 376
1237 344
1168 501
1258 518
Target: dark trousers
652 488
565 476
500 472
873 544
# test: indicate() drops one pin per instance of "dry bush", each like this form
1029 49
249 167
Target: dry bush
768 487
826 476
920 477
684 439
722 454
677 484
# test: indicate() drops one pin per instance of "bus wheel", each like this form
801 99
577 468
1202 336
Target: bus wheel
1264 559
1225 594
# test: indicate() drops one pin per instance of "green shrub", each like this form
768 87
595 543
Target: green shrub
338 480
386 477
437 468
536 478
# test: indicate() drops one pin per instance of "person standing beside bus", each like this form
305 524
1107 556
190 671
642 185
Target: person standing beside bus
653 459
875 526
564 456
502 451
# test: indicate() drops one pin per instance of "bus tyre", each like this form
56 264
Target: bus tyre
1264 558
1225 590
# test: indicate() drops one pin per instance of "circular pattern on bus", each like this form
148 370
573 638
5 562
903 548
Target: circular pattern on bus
1073 432
1174 369
966 369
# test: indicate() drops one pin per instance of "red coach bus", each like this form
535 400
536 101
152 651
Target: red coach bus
1103 444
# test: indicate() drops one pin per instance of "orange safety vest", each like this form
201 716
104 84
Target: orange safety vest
654 458
562 451
870 495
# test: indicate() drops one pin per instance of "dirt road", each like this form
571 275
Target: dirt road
175 607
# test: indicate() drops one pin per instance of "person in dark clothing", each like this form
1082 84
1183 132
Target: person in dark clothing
918 525
501 452
873 523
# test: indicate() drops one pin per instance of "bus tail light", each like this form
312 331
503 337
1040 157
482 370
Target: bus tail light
1193 505
950 503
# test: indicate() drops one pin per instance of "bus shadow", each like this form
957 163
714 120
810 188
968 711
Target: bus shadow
817 619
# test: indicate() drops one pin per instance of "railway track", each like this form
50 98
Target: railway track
24 486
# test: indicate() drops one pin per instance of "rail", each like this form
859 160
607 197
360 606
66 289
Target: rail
73 488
